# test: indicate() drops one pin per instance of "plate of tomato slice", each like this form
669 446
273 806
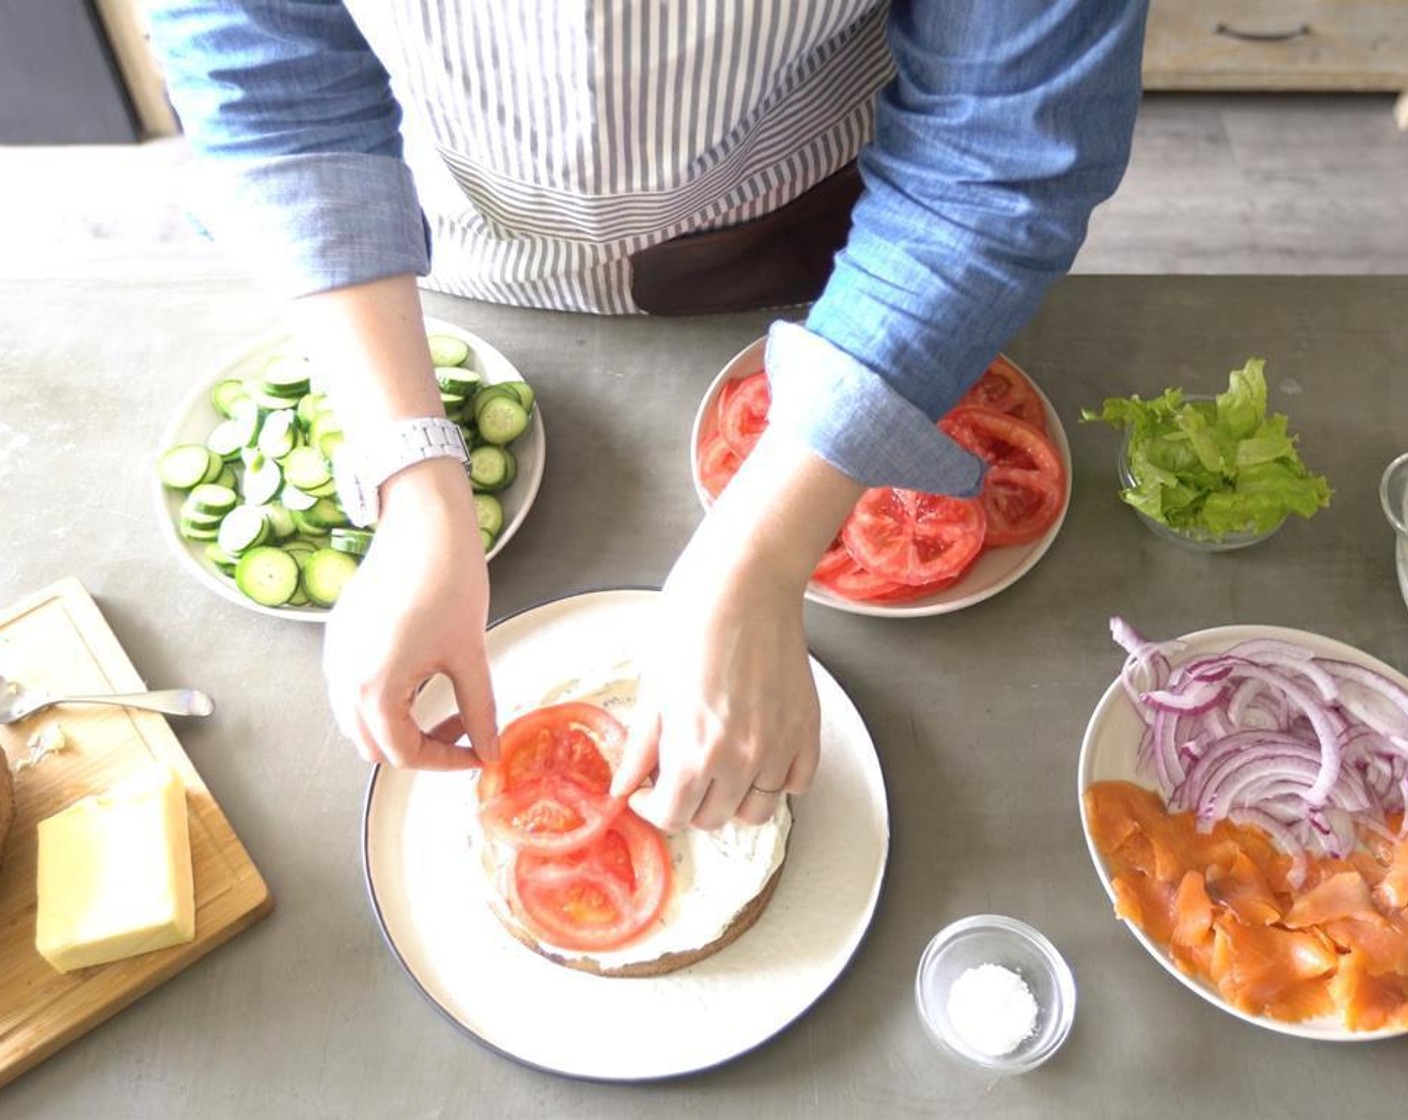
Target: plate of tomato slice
420 873
905 553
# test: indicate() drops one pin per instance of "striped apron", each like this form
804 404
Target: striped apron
554 140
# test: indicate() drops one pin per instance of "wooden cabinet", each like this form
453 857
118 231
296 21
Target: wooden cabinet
1351 45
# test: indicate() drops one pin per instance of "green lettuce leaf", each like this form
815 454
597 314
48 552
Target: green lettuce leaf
1210 467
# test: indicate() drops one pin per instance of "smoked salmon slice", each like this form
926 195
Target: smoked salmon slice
1221 903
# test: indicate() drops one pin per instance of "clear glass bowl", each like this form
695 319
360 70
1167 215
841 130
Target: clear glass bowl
1199 543
994 939
1393 496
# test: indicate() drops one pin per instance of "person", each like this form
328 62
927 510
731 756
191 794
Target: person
615 158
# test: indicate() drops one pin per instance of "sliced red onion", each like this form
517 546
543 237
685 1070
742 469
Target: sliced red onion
1269 733
1196 698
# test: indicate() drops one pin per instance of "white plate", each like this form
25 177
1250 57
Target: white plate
993 571
418 869
196 417
1109 753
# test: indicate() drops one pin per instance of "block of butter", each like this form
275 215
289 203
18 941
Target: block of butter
115 874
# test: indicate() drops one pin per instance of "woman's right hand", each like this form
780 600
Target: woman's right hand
418 606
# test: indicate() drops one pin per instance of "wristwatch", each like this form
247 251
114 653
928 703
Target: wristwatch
360 471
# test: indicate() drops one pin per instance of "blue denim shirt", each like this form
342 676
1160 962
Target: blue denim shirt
1007 123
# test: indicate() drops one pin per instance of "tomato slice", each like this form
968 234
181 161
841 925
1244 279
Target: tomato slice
1025 488
598 897
1004 388
572 741
717 464
1021 505
913 538
743 413
851 580
1003 440
834 559
550 789
548 816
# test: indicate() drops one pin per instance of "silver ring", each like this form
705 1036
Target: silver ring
766 792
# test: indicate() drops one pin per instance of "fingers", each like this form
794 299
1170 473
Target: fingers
641 755
448 730
474 696
758 806
383 731
707 784
401 742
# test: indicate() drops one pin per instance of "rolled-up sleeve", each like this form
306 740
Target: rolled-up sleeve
1007 123
300 176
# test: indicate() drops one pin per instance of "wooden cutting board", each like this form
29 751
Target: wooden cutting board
58 640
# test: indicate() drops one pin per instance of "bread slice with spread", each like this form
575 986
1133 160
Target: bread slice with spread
638 902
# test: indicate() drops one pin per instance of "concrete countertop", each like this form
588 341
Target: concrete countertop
977 716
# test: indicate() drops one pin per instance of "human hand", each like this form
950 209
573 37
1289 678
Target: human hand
728 712
417 606
728 708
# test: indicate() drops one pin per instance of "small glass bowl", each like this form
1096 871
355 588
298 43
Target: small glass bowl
994 939
1393 496
1198 543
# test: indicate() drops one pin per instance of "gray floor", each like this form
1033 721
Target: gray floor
1217 184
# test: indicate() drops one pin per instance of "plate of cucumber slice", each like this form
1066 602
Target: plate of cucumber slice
243 477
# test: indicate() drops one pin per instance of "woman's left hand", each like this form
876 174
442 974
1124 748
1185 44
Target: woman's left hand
728 718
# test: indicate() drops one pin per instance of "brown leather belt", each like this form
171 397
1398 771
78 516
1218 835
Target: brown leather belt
780 259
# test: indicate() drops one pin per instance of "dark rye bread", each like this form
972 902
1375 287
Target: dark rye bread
7 802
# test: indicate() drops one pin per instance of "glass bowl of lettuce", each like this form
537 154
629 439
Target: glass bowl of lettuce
1212 473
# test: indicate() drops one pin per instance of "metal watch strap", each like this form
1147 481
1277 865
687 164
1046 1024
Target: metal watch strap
361 471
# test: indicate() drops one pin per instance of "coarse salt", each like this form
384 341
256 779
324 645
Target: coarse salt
991 1009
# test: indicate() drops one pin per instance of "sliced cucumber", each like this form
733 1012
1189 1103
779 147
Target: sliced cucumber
228 437
461 382
300 501
502 419
447 350
260 494
492 468
453 403
355 541
285 377
278 435
307 469
489 513
226 393
269 576
312 406
244 528
281 522
187 465
210 497
310 529
488 392
523 391
198 519
263 482
195 532
221 559
326 573
300 548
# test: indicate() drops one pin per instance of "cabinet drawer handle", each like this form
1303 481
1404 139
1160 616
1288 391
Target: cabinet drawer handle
1261 36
